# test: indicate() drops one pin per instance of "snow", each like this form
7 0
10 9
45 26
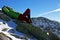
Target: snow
0 8
47 33
3 26
9 25
13 38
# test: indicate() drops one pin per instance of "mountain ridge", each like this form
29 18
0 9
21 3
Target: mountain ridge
46 23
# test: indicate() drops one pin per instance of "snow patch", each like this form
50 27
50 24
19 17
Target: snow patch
0 9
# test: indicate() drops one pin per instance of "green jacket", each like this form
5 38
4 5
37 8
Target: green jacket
10 12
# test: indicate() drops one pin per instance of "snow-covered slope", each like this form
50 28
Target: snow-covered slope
45 23
4 26
8 28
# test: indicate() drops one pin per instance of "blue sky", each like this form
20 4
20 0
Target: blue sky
44 8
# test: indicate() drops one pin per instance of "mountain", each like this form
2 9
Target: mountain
47 24
11 29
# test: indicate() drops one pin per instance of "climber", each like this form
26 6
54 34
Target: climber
15 15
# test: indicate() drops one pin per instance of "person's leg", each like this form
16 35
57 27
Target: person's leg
27 13
24 18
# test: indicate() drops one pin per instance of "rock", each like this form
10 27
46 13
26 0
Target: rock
5 29
19 37
3 36
11 31
3 22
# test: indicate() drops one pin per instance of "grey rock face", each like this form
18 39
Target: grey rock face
47 24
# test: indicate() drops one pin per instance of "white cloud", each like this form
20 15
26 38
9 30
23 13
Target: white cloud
56 10
0 8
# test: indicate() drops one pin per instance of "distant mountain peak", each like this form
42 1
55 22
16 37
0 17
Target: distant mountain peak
46 23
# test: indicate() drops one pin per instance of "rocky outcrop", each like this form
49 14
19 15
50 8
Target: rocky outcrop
47 24
3 36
